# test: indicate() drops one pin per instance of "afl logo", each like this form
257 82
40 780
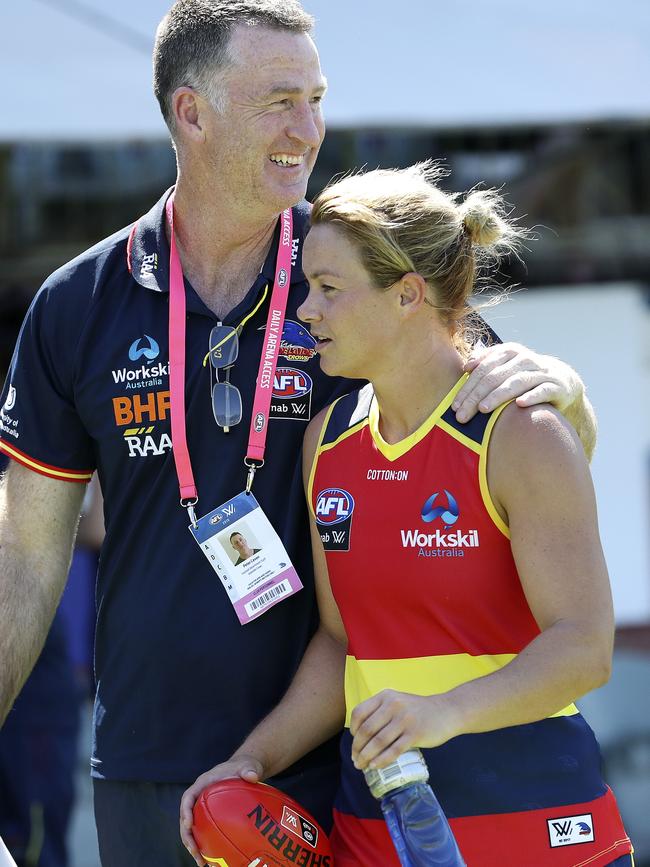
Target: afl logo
282 278
290 384
333 505
259 422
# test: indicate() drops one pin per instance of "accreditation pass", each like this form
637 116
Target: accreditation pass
248 556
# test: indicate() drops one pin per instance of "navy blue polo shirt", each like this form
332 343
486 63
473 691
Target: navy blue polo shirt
179 681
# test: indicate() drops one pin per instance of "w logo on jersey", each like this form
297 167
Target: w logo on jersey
333 506
448 513
290 383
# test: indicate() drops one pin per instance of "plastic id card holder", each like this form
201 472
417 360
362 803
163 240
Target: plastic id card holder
248 556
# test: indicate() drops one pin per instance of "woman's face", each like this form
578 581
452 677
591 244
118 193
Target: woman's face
350 318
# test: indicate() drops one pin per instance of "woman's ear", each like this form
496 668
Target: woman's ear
412 289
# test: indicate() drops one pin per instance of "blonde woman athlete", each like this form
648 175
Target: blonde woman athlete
464 598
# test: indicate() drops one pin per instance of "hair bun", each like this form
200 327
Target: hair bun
482 219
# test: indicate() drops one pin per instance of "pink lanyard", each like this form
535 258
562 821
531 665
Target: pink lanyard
265 376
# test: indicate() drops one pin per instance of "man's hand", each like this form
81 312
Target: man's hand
247 767
509 370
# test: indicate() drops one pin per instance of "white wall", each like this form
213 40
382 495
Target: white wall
604 332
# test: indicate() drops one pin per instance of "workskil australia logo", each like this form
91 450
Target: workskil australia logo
334 508
442 508
146 375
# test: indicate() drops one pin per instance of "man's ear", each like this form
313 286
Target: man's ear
186 105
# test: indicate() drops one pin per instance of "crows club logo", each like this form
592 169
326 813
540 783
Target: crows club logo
296 344
448 513
290 383
144 347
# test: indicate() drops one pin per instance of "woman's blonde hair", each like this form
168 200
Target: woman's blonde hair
401 222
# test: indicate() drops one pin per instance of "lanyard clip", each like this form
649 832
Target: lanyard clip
189 503
252 467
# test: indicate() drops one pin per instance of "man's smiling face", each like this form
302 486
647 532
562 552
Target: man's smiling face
265 141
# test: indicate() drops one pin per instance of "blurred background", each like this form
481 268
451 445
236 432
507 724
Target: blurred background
549 101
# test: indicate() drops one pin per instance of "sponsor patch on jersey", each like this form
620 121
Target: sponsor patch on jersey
441 510
296 344
570 830
334 508
291 396
144 347
290 383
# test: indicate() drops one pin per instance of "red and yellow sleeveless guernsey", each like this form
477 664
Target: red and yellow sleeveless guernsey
421 569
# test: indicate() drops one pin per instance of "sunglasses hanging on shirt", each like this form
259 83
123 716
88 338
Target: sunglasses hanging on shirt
226 397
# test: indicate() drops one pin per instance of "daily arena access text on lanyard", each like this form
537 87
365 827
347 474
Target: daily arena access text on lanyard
258 581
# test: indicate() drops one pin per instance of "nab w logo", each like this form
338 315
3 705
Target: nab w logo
229 510
562 829
448 513
290 383
149 350
333 505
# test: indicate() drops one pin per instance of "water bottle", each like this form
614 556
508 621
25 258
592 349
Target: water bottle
418 827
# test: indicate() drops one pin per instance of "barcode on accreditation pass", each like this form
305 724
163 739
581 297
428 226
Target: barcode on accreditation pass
268 597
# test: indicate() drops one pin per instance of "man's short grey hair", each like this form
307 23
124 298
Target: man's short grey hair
192 42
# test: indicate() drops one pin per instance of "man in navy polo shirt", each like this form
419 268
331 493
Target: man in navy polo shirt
179 681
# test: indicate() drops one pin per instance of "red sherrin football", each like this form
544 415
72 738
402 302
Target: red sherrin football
240 824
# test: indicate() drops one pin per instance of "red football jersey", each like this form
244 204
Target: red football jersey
422 571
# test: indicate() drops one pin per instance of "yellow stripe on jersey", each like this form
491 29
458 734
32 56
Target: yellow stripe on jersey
394 451
426 675
482 474
457 435
312 471
347 433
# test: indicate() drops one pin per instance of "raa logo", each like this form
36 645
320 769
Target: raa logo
149 350
448 513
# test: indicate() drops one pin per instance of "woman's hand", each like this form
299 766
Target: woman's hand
386 725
